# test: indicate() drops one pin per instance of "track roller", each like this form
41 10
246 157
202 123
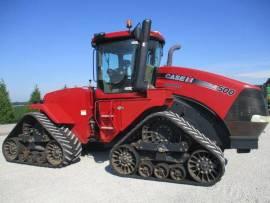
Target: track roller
40 158
161 171
24 153
145 169
177 172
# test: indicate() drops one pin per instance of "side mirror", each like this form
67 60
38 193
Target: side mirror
137 32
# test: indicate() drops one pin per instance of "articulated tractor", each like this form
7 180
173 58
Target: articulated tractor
163 123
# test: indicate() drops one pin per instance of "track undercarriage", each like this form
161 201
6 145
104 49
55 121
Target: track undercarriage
38 141
162 147
165 147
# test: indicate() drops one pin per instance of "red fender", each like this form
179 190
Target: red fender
54 112
72 106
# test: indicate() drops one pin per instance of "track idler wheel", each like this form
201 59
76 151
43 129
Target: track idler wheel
11 149
145 169
178 172
161 170
203 167
124 160
54 153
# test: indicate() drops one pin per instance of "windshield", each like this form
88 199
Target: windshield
154 55
116 61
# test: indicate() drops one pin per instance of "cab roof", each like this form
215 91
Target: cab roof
104 37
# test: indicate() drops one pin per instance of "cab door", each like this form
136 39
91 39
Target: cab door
110 109
108 118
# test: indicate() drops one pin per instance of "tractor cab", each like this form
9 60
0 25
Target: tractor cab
126 61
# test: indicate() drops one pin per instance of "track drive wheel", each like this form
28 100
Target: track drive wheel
203 167
161 171
11 148
124 160
178 172
54 153
145 169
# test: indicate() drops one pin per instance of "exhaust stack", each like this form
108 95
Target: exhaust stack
139 83
170 53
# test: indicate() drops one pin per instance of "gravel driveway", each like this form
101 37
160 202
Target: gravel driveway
247 179
5 129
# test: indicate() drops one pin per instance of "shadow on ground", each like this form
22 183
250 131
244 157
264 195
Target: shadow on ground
97 151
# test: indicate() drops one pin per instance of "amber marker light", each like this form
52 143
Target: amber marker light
129 24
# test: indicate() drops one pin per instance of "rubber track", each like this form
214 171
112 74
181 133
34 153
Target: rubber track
194 133
69 143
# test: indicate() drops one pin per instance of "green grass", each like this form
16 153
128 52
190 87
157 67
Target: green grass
19 112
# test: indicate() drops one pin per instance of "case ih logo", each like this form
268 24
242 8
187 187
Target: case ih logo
180 78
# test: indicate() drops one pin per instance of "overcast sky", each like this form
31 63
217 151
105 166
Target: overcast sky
48 42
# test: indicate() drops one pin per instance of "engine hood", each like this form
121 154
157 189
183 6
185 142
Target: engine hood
183 74
214 91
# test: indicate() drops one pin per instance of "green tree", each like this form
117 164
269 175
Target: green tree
6 110
35 96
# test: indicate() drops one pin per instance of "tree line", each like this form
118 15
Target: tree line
10 113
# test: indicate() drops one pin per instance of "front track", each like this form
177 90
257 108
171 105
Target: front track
36 140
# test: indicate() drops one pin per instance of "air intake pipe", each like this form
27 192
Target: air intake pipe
170 53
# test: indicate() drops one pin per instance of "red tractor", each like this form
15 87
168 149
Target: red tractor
165 123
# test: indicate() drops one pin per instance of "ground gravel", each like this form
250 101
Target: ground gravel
247 179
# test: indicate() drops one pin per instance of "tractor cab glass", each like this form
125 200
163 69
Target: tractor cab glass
154 55
116 64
